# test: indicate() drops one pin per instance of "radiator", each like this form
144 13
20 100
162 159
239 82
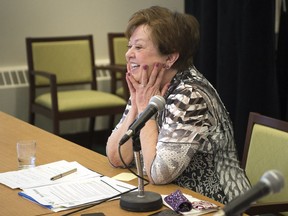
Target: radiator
14 100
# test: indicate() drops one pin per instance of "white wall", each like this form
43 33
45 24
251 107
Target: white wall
24 18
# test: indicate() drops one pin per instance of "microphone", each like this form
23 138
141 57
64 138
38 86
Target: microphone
271 182
156 104
141 201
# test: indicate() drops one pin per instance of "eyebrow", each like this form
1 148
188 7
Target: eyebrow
137 40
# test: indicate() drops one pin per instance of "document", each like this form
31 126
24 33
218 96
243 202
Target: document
73 194
63 185
41 175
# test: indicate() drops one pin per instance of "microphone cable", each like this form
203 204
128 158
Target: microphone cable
98 203
127 167
115 196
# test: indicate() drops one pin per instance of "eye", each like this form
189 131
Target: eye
138 47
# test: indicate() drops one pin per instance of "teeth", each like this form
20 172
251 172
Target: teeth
134 66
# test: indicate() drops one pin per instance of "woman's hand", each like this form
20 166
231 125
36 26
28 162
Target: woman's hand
150 84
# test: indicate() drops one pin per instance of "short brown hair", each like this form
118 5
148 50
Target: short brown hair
171 31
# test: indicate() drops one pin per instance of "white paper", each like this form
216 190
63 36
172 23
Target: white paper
41 175
77 193
80 188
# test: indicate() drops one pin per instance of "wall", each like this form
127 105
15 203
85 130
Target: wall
23 18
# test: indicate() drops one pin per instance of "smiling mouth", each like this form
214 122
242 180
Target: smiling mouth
134 66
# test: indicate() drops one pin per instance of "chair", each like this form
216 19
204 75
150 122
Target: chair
63 65
117 46
266 147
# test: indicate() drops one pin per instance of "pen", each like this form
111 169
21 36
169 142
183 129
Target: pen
63 174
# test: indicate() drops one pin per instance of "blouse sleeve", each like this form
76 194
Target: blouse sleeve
182 134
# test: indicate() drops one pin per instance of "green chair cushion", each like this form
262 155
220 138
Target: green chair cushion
268 150
69 60
120 49
81 99
120 92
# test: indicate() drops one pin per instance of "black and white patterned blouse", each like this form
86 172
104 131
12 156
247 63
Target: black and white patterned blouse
196 147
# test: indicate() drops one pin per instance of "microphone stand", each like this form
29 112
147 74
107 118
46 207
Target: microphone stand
140 201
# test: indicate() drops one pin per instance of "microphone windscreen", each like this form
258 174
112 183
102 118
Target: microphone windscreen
274 179
158 102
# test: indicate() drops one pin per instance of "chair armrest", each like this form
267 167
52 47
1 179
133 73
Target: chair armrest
112 66
52 85
264 208
42 73
50 76
113 69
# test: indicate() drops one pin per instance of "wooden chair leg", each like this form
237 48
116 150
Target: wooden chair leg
32 118
92 124
56 126
111 122
91 132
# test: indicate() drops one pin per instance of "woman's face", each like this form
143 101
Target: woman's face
142 51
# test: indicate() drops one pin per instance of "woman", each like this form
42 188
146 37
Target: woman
191 141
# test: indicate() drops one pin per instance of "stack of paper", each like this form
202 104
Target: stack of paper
79 188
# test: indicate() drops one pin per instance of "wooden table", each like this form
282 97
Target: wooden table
52 148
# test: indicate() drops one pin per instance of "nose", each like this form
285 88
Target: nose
129 54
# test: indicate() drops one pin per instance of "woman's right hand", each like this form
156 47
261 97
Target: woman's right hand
148 86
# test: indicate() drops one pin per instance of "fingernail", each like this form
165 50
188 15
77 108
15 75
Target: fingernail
128 74
145 67
157 64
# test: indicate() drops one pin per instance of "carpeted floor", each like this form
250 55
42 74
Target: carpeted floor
98 142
